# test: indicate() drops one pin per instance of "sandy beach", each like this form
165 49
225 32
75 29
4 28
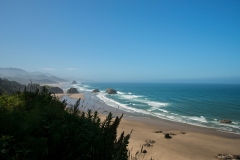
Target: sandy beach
197 143
73 96
202 145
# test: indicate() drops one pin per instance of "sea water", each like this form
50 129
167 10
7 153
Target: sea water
196 104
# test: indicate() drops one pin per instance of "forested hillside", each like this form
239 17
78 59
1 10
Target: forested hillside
36 125
10 87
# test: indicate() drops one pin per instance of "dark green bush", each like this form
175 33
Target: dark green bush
36 125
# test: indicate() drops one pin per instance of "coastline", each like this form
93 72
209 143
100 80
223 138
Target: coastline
73 96
192 145
197 143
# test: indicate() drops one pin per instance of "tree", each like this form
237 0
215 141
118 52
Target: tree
36 125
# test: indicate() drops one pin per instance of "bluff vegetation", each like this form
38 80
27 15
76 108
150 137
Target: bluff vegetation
36 125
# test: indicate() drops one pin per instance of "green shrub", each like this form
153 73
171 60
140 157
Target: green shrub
36 125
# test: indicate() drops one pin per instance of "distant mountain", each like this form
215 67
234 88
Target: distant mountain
9 72
47 74
26 81
40 73
43 81
54 78
30 76
42 76
35 73
24 77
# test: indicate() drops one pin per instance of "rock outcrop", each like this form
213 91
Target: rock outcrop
150 141
229 156
111 91
74 82
148 145
95 91
72 90
225 121
144 151
56 90
167 136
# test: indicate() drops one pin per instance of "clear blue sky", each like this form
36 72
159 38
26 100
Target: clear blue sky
123 40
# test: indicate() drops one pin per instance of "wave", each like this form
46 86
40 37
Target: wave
156 104
200 119
236 122
118 92
233 125
116 104
139 99
130 102
137 96
124 96
82 88
163 110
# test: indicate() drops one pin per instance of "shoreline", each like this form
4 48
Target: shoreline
197 142
191 145
93 100
158 122
113 104
168 125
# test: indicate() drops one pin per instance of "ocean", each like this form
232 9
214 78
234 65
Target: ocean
196 104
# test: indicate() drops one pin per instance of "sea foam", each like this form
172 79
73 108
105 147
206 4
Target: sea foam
174 106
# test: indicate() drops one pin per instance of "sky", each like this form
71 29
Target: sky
123 40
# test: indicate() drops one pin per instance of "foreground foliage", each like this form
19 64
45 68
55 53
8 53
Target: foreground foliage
35 125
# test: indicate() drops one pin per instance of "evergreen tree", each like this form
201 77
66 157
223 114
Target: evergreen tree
36 125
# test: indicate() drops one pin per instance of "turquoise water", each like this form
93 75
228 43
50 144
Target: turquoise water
196 104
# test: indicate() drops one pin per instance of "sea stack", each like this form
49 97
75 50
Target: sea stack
55 90
95 91
225 121
74 82
111 91
72 90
